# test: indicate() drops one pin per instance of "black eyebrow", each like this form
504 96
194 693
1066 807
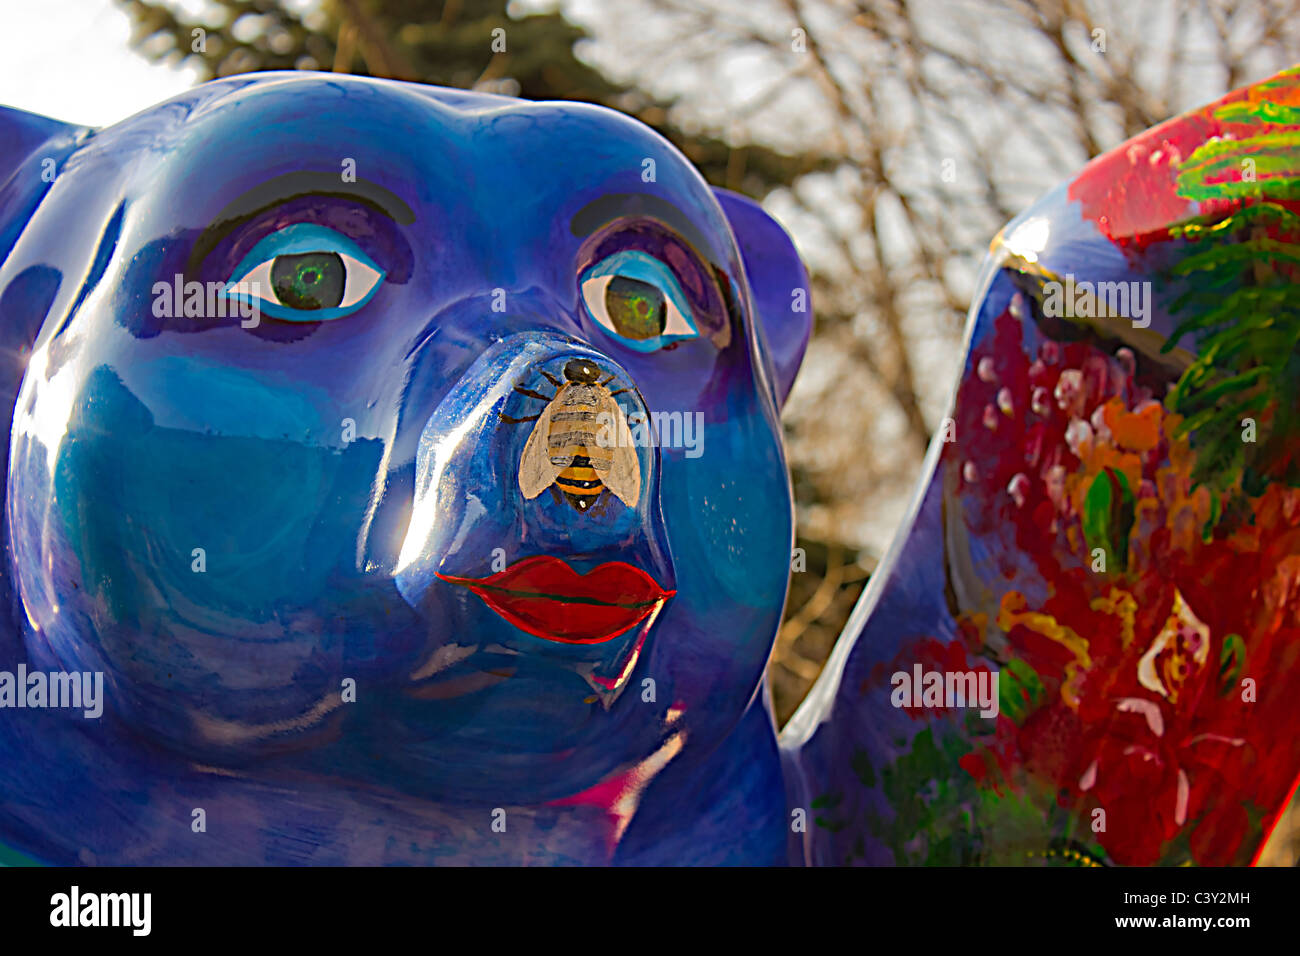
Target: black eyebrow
297 185
605 209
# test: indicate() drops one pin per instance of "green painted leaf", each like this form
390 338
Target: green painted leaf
1108 516
1232 661
1020 690
862 769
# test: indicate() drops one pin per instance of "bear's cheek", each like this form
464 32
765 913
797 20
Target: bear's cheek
196 551
728 514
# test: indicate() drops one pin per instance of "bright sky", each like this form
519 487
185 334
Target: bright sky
70 59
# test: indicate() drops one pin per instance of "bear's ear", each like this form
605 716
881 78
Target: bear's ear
778 285
31 150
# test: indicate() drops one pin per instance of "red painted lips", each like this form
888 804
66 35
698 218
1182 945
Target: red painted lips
545 597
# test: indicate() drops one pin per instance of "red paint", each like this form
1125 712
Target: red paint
1132 192
545 597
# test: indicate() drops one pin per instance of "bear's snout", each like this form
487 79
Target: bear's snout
536 513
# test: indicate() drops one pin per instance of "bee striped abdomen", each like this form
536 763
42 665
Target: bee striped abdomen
573 443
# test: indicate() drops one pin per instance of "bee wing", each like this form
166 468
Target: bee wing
536 473
623 475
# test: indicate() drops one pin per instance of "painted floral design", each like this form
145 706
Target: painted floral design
1129 675
1138 571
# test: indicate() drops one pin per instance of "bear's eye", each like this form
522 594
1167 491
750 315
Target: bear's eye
306 273
636 299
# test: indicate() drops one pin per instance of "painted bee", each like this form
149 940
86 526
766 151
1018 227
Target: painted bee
581 443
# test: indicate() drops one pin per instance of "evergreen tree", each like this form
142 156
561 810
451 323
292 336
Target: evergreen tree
448 43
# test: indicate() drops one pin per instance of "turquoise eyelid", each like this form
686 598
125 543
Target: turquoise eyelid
644 267
294 240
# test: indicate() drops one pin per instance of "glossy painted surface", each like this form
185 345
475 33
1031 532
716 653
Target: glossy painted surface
344 609
421 256
1111 527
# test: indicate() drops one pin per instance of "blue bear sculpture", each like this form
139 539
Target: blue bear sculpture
277 350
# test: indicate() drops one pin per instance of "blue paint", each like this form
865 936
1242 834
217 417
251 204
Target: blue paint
289 460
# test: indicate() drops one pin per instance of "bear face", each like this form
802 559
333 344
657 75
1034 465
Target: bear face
271 469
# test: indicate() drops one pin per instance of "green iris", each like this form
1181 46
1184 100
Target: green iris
312 280
637 309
